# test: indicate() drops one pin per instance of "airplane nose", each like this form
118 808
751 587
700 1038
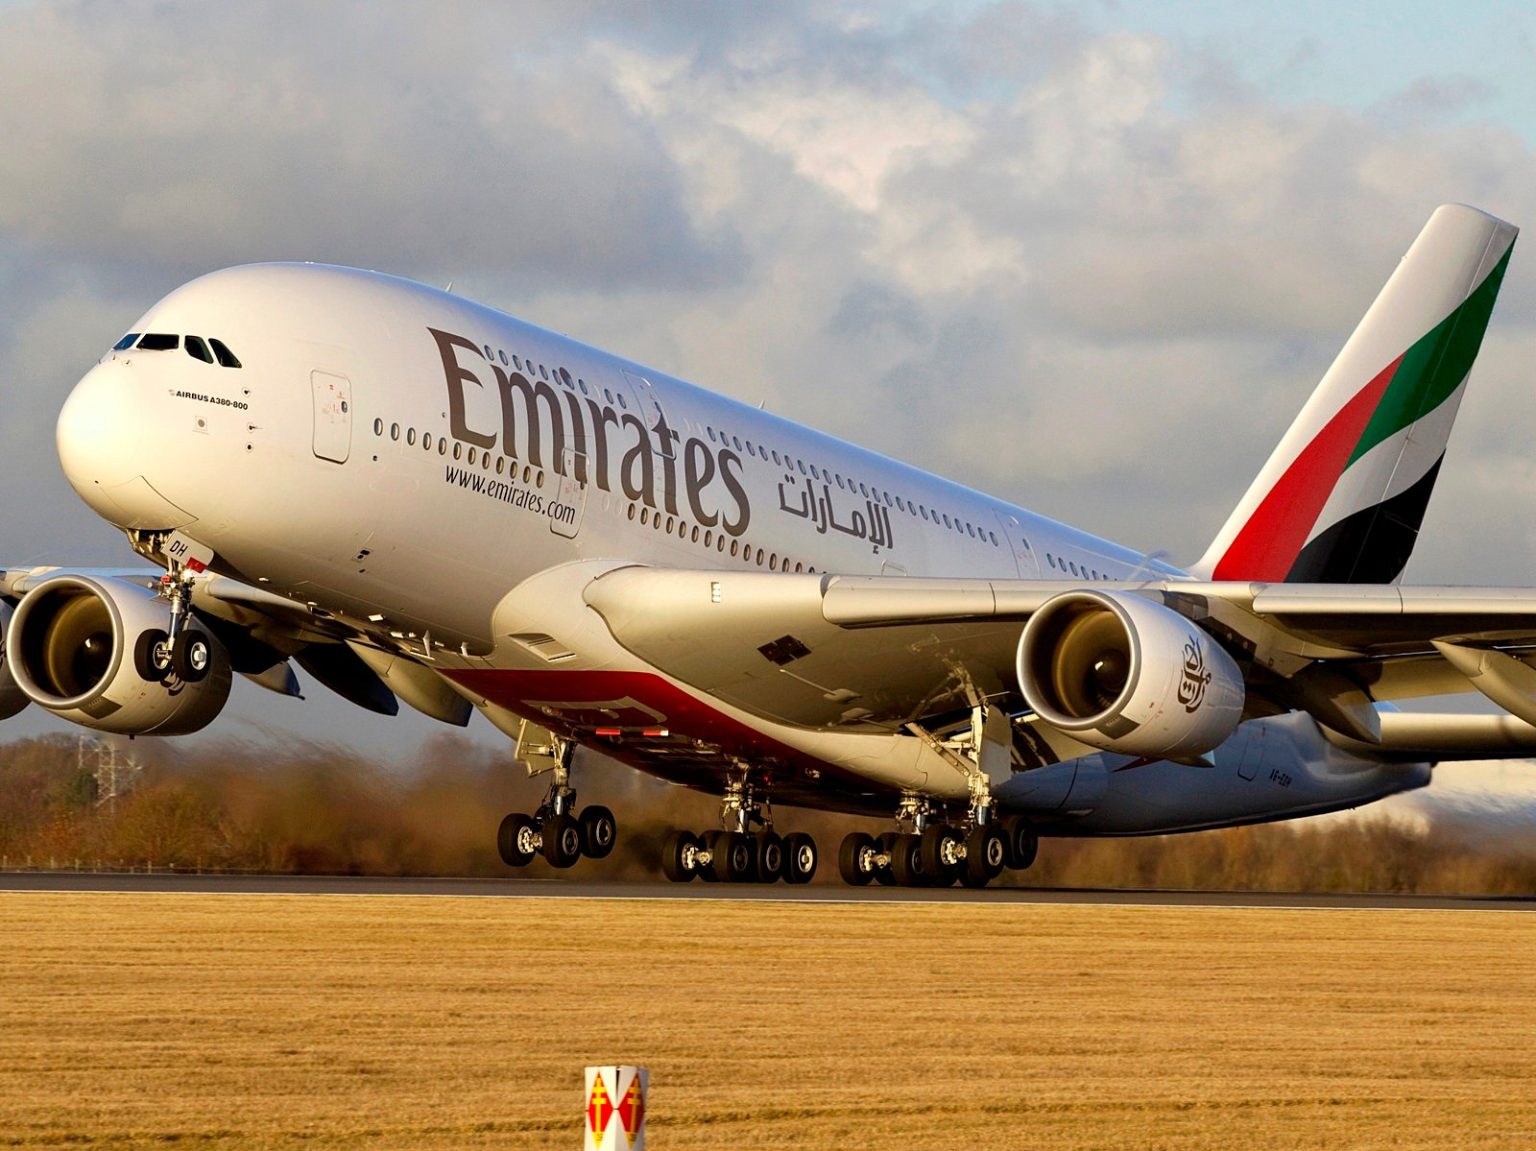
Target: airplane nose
105 441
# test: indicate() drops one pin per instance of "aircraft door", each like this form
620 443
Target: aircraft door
1018 543
333 416
1253 750
570 503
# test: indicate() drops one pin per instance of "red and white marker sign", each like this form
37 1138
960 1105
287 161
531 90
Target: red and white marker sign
615 1108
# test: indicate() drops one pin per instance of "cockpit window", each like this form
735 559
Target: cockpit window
158 342
226 357
199 350
126 342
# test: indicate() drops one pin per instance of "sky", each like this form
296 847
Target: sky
1091 258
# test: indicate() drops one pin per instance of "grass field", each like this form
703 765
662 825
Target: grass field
227 1021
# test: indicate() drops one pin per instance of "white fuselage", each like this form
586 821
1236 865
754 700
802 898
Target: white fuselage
426 468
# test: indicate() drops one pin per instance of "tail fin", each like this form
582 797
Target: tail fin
1342 497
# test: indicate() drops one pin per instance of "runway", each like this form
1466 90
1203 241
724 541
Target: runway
515 888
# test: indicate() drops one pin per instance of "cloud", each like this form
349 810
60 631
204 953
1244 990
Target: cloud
1096 273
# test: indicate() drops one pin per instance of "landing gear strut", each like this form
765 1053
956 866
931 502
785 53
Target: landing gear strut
737 853
554 831
178 650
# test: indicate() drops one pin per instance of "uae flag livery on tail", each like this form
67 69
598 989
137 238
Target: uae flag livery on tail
1342 497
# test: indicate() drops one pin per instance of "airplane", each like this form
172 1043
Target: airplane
415 497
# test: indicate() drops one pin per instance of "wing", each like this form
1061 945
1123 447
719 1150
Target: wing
881 652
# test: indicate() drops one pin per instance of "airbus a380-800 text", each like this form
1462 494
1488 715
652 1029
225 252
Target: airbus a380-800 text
414 497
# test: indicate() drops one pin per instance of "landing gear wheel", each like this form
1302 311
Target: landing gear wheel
1024 844
152 656
856 859
562 840
599 830
939 854
680 856
517 839
191 656
986 850
770 857
732 857
906 867
885 844
710 842
801 858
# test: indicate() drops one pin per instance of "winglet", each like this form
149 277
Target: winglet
1343 495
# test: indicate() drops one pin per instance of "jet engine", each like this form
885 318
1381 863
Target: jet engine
12 698
94 651
1127 675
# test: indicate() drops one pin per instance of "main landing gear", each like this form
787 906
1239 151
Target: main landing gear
932 853
556 831
737 853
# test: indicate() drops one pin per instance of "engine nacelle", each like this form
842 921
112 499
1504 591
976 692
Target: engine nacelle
1127 675
73 647
12 698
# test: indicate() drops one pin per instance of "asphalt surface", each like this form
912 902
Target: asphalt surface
516 888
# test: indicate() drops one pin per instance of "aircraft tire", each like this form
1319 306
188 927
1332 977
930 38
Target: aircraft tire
599 831
710 842
986 850
514 839
679 853
800 858
770 857
191 656
152 656
938 851
1024 844
733 857
906 869
857 847
562 840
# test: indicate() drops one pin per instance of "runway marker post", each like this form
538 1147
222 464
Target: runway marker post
614 1118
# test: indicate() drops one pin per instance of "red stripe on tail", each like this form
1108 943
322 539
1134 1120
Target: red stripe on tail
1274 535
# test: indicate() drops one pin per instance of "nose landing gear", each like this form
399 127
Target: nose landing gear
179 650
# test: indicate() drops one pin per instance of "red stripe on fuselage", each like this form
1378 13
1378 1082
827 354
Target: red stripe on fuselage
1268 544
573 703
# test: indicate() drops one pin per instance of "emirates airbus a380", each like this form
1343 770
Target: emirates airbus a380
414 497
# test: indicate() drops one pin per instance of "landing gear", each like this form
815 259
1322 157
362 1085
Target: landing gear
933 853
737 853
555 831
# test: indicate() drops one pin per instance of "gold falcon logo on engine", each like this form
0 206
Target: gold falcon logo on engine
1195 678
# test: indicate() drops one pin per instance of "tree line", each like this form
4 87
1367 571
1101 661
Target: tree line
317 808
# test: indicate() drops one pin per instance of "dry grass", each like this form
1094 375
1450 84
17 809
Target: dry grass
285 1022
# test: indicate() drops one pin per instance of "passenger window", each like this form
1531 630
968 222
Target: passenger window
776 456
158 342
225 357
126 342
410 437
198 350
